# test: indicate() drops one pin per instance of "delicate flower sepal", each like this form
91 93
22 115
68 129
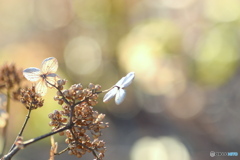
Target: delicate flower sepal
118 89
32 74
46 77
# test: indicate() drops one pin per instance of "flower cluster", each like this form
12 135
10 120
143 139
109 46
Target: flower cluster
83 135
30 98
10 76
77 120
77 93
10 81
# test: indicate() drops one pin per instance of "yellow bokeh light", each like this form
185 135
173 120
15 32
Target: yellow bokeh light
216 56
222 10
53 14
162 148
82 55
149 52
177 4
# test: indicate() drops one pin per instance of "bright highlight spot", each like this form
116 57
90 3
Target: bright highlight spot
83 56
162 148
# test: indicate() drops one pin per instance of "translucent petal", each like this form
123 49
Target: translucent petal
32 74
128 79
41 88
52 79
119 83
110 94
49 65
120 96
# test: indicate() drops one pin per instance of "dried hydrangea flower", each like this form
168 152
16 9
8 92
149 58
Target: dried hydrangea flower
119 89
10 76
45 77
30 99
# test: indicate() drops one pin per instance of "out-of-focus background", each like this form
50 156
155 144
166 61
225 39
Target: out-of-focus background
185 99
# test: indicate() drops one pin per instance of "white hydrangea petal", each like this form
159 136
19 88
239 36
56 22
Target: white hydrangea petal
52 79
49 65
128 79
119 83
120 96
32 74
110 94
41 88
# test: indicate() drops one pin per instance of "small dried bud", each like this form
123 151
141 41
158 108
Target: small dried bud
91 86
19 142
50 115
70 152
60 101
31 99
61 82
98 87
61 133
66 93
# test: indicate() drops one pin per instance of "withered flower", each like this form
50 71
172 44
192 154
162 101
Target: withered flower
85 131
45 77
10 76
30 98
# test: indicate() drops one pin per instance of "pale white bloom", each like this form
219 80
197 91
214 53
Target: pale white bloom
44 76
119 89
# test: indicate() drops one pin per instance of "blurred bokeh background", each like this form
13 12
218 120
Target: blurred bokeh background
184 101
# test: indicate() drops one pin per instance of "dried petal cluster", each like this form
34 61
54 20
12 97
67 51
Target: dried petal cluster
10 76
77 93
83 135
30 98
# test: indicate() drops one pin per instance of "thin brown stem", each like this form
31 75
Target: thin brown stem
64 150
106 90
64 99
22 129
28 142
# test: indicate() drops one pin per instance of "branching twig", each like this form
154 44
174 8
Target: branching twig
23 127
28 142
66 149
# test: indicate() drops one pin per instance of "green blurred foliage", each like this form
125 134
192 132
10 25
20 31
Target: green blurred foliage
217 55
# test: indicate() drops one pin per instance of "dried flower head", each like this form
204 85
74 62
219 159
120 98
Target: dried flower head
119 89
30 98
85 131
77 93
10 76
45 77
84 135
